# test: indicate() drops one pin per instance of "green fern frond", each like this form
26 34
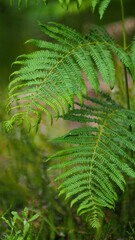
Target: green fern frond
98 160
102 4
25 1
102 35
52 76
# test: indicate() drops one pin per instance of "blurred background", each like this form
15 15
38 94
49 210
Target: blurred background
19 25
24 180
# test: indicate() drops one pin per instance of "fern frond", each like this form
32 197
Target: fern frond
102 35
25 1
98 160
103 4
52 76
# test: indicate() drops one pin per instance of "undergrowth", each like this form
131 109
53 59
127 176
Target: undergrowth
98 162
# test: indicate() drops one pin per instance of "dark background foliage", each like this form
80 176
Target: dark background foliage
17 26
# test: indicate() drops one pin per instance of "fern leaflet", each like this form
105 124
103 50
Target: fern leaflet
103 4
98 159
52 76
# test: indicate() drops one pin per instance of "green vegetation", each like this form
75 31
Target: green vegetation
97 160
102 4
16 234
94 162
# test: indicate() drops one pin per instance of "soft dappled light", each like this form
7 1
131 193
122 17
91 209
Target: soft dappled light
67 120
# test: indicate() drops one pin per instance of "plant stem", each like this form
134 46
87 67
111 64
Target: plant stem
125 70
127 89
125 46
123 25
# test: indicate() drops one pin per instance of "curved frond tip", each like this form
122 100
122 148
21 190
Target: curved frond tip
52 76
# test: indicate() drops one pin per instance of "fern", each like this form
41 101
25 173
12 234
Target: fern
96 164
26 2
100 35
52 76
98 160
103 4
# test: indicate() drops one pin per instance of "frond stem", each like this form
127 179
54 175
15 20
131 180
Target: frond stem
125 47
127 88
61 60
91 165
125 70
123 24
97 142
